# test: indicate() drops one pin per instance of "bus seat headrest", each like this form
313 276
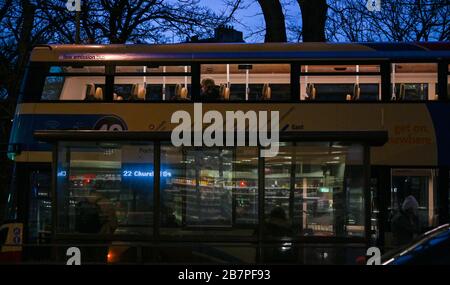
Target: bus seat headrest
91 89
99 93
141 93
266 92
134 90
311 91
224 92
183 92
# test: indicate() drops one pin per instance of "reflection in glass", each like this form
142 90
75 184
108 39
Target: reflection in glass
419 183
212 188
105 188
314 189
90 88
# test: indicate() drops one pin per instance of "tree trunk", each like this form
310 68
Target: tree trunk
274 18
314 16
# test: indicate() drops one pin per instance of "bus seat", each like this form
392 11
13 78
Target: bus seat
308 92
141 93
133 92
183 93
266 92
117 97
177 91
356 92
313 92
99 93
224 92
90 92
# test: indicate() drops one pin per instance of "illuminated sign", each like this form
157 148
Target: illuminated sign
324 189
62 173
140 173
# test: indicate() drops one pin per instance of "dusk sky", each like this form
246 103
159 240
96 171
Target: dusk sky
251 17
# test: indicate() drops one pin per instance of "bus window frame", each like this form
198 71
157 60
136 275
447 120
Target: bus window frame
438 72
384 73
291 63
156 74
342 74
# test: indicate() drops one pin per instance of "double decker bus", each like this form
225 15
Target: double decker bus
362 126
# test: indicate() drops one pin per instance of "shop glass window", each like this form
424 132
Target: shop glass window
209 191
314 189
245 82
167 83
86 83
414 81
105 188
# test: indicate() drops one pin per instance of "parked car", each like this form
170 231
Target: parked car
431 248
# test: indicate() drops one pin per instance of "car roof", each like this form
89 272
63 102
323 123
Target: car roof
437 235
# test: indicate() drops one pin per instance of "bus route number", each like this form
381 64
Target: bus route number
110 123
114 127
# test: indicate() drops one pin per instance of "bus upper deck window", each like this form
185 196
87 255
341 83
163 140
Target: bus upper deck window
414 82
74 82
152 82
340 82
245 82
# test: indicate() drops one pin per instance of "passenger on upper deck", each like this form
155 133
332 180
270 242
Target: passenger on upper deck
210 91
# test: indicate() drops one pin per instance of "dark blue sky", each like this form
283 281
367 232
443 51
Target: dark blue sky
251 17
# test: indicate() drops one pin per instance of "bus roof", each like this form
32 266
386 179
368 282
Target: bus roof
239 52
